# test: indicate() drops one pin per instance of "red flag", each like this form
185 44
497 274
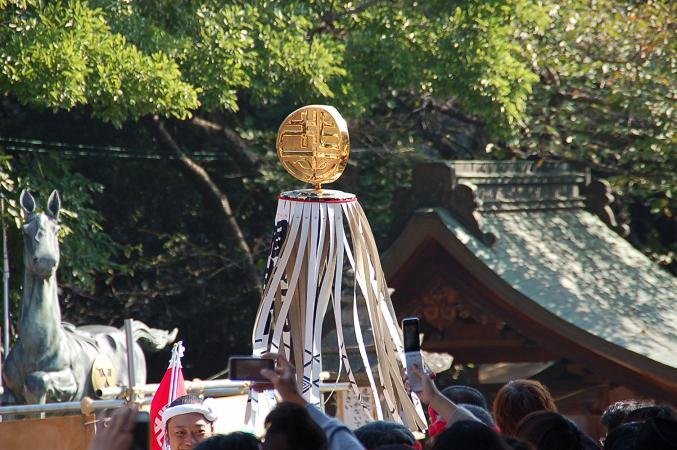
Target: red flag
171 387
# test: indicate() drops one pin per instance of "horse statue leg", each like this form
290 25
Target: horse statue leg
57 386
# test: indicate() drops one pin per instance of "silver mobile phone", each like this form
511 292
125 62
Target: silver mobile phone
412 351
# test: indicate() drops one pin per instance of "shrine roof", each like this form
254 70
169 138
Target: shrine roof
529 225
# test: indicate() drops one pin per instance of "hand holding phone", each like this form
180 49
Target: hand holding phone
412 351
248 368
141 433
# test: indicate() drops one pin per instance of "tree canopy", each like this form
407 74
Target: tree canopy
168 80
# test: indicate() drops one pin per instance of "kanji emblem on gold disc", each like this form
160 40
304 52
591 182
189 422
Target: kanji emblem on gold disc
313 144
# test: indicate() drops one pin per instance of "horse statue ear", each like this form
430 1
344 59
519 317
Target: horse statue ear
27 203
54 204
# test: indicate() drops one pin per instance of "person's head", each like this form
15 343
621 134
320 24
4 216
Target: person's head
466 395
469 435
518 398
378 433
647 412
657 433
482 414
516 444
622 437
616 412
548 430
188 420
237 440
290 427
394 447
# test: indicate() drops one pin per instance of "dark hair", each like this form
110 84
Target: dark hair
647 412
395 447
482 414
548 430
237 440
516 444
518 398
465 394
188 399
378 433
589 443
657 434
469 435
622 437
615 413
292 424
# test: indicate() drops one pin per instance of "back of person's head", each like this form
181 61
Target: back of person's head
518 398
380 432
290 427
482 414
232 441
465 394
469 435
623 437
395 447
657 433
615 413
516 444
548 430
647 412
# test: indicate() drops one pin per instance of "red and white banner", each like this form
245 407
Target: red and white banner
171 387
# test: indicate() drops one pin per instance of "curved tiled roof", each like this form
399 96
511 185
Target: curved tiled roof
573 265
524 229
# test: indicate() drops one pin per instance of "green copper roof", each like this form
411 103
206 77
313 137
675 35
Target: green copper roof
573 265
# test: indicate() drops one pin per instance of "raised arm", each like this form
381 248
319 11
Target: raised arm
284 380
431 396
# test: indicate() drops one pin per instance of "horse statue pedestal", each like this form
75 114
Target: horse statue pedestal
52 361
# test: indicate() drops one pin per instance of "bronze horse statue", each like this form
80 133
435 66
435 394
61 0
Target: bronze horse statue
52 361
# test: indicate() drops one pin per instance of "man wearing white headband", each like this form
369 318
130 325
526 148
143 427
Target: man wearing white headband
188 421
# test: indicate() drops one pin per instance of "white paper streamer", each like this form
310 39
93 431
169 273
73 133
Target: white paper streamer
304 275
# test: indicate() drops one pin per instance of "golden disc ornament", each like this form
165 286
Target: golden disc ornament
313 144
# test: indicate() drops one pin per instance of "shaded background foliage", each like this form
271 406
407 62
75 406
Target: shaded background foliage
152 87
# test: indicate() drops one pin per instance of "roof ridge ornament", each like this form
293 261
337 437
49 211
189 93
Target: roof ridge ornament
598 197
463 201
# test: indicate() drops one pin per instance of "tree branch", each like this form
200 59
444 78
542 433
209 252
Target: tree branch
238 149
207 186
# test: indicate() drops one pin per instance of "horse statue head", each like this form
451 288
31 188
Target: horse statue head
41 235
51 360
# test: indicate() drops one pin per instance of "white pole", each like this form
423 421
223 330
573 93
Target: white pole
130 356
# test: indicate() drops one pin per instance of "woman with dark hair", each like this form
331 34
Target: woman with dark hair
237 440
548 430
518 398
469 435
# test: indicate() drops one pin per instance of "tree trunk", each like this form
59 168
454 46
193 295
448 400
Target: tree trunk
206 185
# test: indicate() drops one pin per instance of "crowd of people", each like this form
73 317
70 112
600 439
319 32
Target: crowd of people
523 417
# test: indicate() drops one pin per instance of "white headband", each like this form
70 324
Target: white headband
206 409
